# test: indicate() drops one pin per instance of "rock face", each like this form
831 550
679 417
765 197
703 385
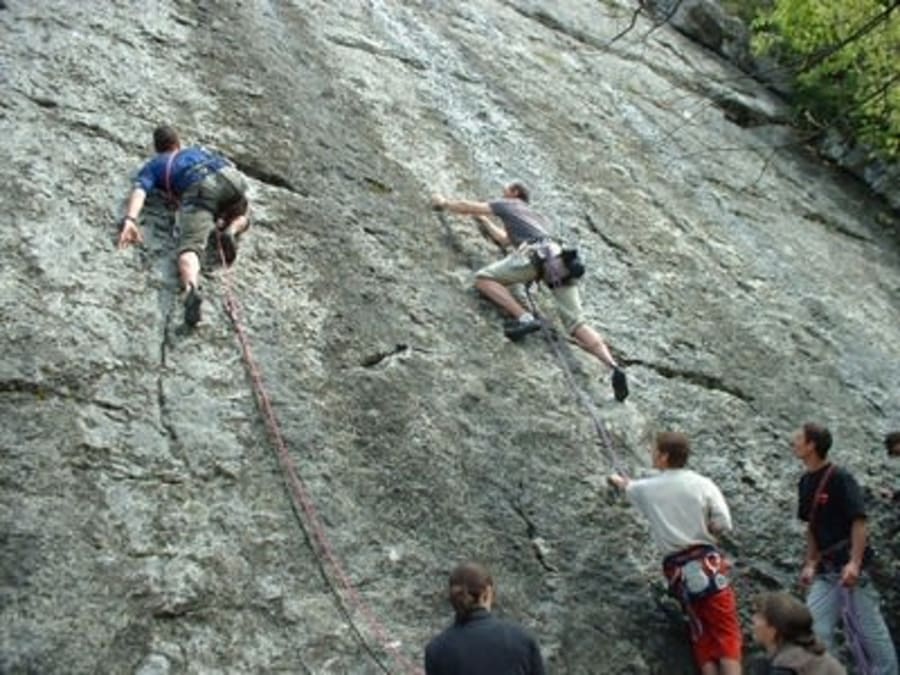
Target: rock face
708 23
148 524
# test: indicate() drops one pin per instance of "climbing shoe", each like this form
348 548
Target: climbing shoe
517 330
619 385
229 246
192 302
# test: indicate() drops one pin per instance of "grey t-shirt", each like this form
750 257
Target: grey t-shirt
521 223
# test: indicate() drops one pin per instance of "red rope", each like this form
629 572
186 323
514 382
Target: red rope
300 495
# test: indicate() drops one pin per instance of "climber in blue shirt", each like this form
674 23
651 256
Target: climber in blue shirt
209 192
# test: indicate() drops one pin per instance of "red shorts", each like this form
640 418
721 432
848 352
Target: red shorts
720 636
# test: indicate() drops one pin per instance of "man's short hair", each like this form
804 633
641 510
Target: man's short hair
165 138
819 436
520 190
675 447
892 443
466 584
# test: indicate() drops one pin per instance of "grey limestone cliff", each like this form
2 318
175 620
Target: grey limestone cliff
146 522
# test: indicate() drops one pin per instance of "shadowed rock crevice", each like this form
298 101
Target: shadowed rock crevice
836 226
372 360
700 379
43 390
356 43
162 402
271 178
42 101
621 251
557 26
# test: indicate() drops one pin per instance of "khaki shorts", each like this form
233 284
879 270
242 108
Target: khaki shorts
517 268
203 202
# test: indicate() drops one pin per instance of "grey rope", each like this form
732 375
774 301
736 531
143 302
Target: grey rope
599 425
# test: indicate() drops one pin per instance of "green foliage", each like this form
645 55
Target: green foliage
847 58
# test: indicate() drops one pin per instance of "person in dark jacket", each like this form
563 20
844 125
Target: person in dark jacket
783 625
478 643
210 194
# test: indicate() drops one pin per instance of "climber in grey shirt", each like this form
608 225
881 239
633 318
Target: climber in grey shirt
524 231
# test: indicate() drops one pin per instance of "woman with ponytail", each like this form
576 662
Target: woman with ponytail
783 625
478 643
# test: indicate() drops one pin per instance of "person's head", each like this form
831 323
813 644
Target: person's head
780 618
516 190
812 438
165 138
671 450
892 443
470 588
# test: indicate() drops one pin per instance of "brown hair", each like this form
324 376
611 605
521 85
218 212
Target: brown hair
518 187
468 582
675 447
819 436
165 138
790 618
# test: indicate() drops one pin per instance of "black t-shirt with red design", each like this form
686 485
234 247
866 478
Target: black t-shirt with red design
840 503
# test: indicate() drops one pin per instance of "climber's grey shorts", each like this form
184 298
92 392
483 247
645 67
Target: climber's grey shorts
206 200
518 268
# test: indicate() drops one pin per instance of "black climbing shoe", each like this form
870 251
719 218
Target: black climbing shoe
620 385
192 302
517 330
229 246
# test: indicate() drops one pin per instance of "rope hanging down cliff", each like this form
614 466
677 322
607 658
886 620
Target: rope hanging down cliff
603 433
338 581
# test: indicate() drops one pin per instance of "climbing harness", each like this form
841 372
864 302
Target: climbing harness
694 574
339 582
559 266
697 572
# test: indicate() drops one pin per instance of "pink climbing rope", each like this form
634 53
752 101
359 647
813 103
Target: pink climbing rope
311 522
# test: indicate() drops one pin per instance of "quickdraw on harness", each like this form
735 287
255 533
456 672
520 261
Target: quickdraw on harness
693 574
558 265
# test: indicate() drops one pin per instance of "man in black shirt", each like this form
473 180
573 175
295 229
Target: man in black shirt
525 232
837 552
478 643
